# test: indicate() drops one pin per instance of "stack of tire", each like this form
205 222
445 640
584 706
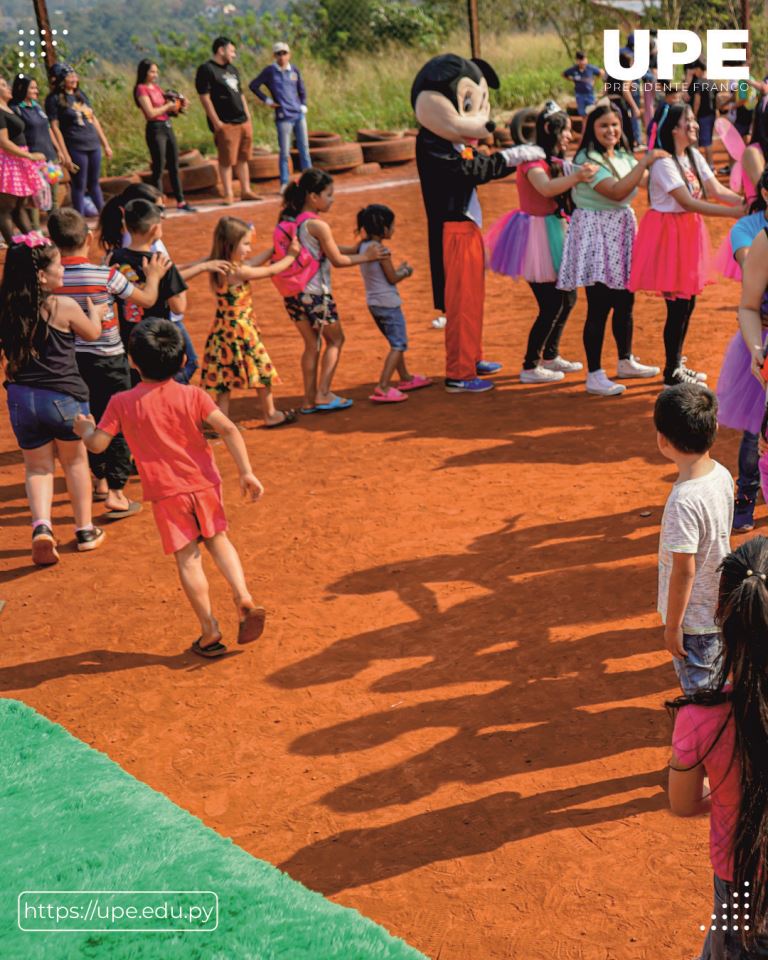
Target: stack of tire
386 147
197 173
329 152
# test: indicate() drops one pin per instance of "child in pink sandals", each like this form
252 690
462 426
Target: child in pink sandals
376 223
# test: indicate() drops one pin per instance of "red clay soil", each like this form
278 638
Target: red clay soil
455 721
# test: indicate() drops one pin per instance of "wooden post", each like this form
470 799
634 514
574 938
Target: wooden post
474 27
44 32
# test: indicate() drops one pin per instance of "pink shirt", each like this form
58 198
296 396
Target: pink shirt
162 423
531 201
156 97
695 730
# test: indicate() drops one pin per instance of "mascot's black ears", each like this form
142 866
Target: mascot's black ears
443 72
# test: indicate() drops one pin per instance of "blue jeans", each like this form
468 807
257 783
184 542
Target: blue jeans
584 100
700 669
86 178
285 130
706 129
749 475
190 364
39 416
724 944
391 322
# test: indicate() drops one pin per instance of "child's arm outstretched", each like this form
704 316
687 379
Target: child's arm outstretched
229 433
95 440
322 233
253 269
154 270
553 186
87 326
191 270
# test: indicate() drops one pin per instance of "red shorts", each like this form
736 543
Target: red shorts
189 516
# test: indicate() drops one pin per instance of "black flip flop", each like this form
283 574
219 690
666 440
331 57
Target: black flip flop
210 652
134 508
289 417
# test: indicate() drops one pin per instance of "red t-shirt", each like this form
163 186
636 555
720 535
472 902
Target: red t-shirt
531 201
162 423
156 97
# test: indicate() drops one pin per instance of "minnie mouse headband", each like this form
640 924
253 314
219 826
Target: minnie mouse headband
551 108
32 239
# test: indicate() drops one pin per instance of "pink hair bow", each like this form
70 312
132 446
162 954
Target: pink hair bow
32 239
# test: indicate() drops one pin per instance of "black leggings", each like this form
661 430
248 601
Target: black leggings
600 301
675 330
554 308
164 151
14 217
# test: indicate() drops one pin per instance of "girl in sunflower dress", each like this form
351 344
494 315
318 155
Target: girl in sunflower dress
235 357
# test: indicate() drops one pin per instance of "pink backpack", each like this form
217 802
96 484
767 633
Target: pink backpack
294 280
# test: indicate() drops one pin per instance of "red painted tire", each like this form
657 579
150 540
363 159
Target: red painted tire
191 158
323 138
366 169
376 136
264 166
203 176
111 186
390 151
341 156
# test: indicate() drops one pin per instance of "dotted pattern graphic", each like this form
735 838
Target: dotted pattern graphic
31 46
740 913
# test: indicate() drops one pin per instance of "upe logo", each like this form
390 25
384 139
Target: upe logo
668 58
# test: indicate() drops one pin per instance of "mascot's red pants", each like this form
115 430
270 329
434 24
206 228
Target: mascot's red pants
464 260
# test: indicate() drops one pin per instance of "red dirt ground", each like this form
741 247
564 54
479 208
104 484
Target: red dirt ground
454 722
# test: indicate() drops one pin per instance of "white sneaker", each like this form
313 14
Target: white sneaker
599 384
630 368
563 365
698 375
439 323
540 375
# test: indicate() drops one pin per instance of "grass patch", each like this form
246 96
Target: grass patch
74 820
367 91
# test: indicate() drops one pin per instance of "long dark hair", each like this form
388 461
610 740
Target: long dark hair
550 125
590 147
296 193
20 87
666 141
759 204
742 615
58 89
22 329
111 217
142 70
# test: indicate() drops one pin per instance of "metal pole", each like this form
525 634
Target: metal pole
474 27
44 30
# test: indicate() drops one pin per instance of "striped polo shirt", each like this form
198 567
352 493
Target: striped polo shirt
102 284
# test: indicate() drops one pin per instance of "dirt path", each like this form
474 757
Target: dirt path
454 722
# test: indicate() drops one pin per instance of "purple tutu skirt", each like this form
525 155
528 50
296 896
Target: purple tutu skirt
521 245
741 399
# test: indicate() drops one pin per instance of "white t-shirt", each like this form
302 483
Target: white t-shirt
697 519
665 176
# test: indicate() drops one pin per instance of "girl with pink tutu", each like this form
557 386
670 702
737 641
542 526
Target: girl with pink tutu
528 243
598 248
671 254
19 170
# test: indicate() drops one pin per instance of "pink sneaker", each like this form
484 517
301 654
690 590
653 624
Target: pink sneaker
393 395
415 383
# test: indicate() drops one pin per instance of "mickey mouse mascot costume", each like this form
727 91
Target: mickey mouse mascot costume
451 102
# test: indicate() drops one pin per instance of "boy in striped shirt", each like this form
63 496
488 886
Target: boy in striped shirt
103 364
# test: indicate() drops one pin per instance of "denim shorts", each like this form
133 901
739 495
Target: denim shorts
391 322
39 416
706 129
724 944
700 669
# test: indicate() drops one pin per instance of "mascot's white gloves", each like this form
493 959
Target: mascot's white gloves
269 102
522 154
303 108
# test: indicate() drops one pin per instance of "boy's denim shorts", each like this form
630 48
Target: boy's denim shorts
39 416
700 669
725 944
391 322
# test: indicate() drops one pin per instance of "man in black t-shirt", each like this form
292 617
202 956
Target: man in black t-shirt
218 85
704 104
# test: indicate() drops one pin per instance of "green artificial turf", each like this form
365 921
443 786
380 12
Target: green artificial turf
71 819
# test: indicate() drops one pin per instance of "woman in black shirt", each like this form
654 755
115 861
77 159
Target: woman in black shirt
37 129
19 173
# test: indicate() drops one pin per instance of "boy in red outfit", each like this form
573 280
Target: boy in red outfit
162 420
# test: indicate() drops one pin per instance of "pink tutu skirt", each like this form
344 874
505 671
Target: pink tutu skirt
19 177
520 245
724 264
671 255
741 399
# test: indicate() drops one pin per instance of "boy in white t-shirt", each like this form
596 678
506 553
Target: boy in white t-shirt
695 533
